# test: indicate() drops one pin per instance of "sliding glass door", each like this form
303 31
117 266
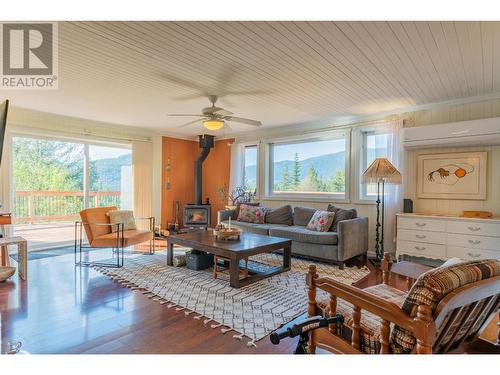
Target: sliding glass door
53 180
110 170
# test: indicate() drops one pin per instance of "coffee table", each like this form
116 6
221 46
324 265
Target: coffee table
249 244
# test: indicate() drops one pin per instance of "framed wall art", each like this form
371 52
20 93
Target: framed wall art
452 176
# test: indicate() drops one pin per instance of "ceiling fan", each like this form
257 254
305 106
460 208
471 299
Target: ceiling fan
215 118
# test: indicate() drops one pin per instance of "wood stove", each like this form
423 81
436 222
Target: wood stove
197 215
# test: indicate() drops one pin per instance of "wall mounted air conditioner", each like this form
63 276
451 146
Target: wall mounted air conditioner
485 132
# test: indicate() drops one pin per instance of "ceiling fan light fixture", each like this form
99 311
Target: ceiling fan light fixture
213 124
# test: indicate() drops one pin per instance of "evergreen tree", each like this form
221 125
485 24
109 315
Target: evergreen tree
287 183
312 181
296 171
336 182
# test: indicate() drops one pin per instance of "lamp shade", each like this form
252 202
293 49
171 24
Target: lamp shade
213 124
381 170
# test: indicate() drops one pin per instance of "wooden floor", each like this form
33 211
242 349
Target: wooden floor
63 309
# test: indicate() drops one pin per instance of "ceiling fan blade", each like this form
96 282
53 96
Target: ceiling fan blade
189 123
184 82
185 115
226 125
223 112
243 120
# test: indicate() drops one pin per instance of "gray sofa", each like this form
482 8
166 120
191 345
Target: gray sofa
350 239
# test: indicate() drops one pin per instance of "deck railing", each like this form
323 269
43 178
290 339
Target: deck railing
43 206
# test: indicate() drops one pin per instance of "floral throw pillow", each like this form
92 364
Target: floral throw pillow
252 214
321 221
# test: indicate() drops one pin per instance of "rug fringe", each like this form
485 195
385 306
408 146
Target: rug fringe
251 343
225 330
239 337
198 317
206 321
215 325
188 312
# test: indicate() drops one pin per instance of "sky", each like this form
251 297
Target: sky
100 152
307 150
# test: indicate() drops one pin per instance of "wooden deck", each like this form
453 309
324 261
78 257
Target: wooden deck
45 236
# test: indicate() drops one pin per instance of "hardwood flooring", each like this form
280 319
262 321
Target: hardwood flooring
63 309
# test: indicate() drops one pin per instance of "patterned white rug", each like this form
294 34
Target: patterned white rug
253 311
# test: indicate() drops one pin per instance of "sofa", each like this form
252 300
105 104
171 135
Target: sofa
348 240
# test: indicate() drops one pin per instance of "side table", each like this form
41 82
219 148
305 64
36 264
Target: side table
22 254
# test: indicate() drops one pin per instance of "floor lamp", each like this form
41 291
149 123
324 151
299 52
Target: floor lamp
381 172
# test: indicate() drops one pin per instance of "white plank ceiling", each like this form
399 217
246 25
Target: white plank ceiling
134 73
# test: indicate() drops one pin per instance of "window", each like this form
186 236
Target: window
250 167
315 167
375 145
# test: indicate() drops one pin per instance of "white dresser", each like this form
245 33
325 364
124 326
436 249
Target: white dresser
443 237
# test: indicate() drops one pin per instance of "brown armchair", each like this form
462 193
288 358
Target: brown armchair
100 234
446 307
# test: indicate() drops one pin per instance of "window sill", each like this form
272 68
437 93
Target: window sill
301 198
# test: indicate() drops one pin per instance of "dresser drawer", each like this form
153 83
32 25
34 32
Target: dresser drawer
474 242
422 224
467 253
473 227
422 236
422 249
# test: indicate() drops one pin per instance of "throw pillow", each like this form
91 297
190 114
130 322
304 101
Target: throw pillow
236 211
281 215
321 221
251 214
340 215
302 215
122 216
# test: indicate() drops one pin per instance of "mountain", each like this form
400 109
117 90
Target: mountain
106 173
325 165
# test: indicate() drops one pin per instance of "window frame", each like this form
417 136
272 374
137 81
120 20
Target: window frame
312 196
360 160
257 166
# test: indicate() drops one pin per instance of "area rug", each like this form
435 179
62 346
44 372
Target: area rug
253 311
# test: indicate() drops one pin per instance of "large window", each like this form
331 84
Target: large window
53 180
375 145
250 167
309 167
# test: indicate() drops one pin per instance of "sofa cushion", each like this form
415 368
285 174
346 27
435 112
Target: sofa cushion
236 211
281 215
340 215
321 221
252 227
432 286
252 214
302 234
302 215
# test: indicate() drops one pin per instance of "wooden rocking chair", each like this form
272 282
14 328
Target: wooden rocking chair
446 307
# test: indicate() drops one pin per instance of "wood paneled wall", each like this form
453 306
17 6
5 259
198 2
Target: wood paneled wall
464 112
182 154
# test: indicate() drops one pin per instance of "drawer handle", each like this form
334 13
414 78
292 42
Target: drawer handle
474 242
420 248
474 255
474 229
420 236
420 224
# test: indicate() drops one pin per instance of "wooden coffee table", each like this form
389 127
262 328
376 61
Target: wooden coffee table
249 244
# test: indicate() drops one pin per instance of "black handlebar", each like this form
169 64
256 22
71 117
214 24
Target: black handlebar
304 327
